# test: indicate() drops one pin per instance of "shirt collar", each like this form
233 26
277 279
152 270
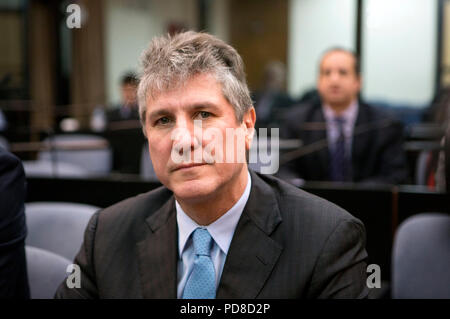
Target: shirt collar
221 230
349 114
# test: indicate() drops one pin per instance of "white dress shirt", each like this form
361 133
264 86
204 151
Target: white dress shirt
221 231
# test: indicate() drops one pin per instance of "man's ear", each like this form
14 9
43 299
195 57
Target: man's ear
248 122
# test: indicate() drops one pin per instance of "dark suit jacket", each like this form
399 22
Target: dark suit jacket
13 269
287 244
377 150
115 114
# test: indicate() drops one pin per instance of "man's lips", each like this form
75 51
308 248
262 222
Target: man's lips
185 166
335 89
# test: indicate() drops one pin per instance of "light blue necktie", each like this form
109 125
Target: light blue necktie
201 283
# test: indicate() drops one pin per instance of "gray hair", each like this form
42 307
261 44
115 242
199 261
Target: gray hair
170 61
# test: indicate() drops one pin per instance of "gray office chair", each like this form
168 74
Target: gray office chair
4 143
44 168
421 257
57 226
421 167
96 161
46 271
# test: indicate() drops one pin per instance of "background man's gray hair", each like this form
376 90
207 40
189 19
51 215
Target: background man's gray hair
170 61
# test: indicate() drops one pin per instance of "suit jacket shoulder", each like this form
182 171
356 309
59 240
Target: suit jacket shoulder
13 271
313 247
132 212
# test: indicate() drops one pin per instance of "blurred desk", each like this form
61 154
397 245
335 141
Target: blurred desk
380 207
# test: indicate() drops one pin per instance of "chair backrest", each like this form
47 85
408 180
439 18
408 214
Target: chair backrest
421 257
46 271
422 167
95 161
447 159
4 143
57 226
147 171
44 168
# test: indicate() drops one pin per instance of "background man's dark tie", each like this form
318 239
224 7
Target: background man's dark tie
340 164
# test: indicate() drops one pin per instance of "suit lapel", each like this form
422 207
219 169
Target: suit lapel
157 254
252 254
361 141
318 135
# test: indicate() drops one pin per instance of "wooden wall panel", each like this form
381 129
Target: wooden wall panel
87 80
259 33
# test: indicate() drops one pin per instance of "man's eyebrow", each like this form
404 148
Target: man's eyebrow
193 107
158 113
203 105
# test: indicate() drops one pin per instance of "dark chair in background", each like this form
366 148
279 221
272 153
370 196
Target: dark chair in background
4 143
57 227
46 271
90 152
421 257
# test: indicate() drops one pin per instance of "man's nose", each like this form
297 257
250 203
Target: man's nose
335 77
186 136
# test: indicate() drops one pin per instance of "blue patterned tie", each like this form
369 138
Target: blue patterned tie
201 283
339 164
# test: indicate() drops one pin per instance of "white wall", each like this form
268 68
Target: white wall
399 50
129 27
219 19
314 26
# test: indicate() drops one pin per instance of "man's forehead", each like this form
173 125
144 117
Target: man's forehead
199 92
338 57
180 84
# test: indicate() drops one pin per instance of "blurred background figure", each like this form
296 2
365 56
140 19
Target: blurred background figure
440 114
128 108
124 128
13 271
363 143
431 161
272 98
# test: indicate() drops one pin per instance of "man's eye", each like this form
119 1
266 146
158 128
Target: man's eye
163 121
204 114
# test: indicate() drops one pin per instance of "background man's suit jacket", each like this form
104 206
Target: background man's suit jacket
377 150
13 268
287 244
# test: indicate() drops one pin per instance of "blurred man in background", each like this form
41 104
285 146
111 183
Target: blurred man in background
124 128
362 144
128 108
272 97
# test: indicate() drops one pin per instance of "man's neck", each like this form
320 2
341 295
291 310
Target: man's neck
207 210
338 109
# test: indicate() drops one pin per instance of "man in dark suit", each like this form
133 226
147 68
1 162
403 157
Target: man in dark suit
13 269
128 108
343 138
214 230
123 128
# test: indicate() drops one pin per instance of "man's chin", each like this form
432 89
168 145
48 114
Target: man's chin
193 190
339 101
